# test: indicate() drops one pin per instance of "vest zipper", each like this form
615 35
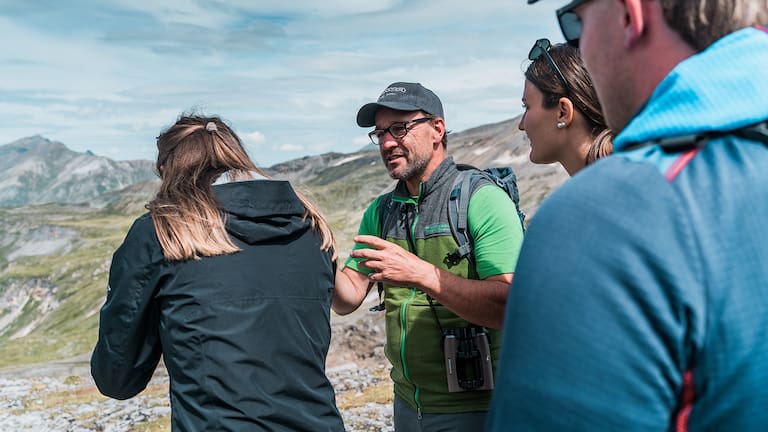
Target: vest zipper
403 327
410 233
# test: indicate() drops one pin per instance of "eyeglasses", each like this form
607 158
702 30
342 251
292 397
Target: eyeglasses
397 130
570 23
541 48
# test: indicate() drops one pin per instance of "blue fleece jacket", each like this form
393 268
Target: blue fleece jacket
640 300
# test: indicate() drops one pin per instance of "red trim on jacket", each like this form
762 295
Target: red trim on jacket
686 402
762 27
680 163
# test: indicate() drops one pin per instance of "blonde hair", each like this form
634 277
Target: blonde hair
192 154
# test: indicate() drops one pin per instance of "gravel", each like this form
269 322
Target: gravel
61 396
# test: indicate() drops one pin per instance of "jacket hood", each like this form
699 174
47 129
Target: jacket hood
721 88
261 210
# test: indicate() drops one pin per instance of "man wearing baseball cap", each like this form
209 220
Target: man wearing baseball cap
403 242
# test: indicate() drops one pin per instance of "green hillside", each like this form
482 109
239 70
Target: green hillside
74 281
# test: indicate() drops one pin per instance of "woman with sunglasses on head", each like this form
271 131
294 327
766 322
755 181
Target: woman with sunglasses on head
563 118
229 277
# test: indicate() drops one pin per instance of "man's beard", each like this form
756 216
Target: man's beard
413 169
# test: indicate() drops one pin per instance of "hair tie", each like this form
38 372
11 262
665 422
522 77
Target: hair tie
211 127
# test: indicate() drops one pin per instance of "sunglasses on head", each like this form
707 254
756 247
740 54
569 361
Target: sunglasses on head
541 48
570 23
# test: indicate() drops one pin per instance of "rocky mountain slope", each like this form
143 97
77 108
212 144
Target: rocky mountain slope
36 170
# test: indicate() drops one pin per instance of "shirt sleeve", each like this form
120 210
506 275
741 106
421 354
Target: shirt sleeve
128 349
597 328
369 225
496 229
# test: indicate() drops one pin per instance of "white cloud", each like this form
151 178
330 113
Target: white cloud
179 11
296 72
253 138
290 148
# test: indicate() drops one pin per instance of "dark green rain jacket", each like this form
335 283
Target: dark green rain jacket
244 336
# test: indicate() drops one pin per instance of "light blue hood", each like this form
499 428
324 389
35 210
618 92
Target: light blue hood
713 92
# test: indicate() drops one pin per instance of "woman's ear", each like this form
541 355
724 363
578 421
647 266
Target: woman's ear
565 110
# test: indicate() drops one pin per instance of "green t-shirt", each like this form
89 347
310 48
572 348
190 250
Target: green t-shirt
493 224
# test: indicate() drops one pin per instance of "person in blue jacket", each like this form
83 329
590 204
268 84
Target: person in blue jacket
229 277
640 300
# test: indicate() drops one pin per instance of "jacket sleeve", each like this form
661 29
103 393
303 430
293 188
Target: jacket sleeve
598 328
128 349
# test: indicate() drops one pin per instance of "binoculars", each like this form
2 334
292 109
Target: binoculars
468 362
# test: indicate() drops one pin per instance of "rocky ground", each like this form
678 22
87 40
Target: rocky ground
61 396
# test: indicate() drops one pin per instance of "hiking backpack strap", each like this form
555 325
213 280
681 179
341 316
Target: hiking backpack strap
462 190
687 146
755 132
458 206
387 214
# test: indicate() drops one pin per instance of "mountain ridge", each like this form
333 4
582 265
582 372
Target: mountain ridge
36 170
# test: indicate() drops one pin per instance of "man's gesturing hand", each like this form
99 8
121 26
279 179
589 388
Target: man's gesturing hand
394 265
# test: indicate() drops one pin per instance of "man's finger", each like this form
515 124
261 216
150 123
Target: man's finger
364 253
373 241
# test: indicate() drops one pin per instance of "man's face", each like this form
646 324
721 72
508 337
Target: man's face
602 51
406 158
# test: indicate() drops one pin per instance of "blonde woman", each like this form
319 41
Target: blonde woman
229 277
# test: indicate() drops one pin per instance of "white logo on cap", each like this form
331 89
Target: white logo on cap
392 90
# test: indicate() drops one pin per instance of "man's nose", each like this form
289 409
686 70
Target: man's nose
387 140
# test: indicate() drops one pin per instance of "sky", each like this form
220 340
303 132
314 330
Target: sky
289 76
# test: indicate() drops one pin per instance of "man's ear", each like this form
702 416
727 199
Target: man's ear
439 126
634 21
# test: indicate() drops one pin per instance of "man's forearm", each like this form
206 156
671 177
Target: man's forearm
480 302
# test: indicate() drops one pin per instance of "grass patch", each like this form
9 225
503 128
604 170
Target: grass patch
77 279
381 393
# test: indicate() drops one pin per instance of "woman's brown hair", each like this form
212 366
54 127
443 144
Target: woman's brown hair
192 154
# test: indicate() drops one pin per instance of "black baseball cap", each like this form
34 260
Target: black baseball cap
402 96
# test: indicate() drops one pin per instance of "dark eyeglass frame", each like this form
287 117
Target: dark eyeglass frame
541 48
376 134
570 23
